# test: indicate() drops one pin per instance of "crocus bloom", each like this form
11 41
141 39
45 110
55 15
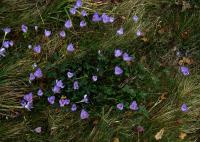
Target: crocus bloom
185 70
105 18
31 77
120 31
138 33
135 18
28 97
120 106
118 70
51 99
72 11
134 105
184 108
6 44
68 24
70 47
56 89
118 52
76 86
96 17
111 19
83 23
74 107
24 28
38 129
29 106
38 73
84 114
7 30
47 33
64 102
78 3
39 93
37 49
85 99
70 74
59 83
62 34
2 52
83 13
94 78
11 43
126 57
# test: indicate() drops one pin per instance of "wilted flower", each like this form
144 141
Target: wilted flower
134 105
78 3
84 114
31 77
38 73
39 93
70 47
83 13
94 78
7 30
28 97
2 52
184 108
68 24
118 52
185 70
120 31
76 86
135 18
6 44
74 107
47 33
118 70
70 74
37 49
127 58
120 106
83 23
24 28
38 129
96 17
72 11
56 89
59 83
51 99
62 34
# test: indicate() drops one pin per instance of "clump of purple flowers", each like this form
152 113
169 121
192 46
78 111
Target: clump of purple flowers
58 86
27 101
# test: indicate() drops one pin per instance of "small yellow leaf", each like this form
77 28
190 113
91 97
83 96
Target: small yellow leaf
182 135
159 134
116 140
144 39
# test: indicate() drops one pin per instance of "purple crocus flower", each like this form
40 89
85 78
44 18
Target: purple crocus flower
28 97
23 103
126 57
51 99
64 102
40 93
78 3
29 106
184 108
62 34
96 17
38 73
70 47
37 49
74 107
59 83
24 28
134 105
76 86
120 31
118 52
138 33
6 44
70 74
105 18
7 30
56 89
83 23
120 106
111 19
2 52
11 43
135 18
68 24
72 11
84 114
118 70
94 78
83 13
38 129
47 33
31 77
185 70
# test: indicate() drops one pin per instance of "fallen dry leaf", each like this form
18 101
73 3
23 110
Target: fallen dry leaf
182 135
159 134
116 140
